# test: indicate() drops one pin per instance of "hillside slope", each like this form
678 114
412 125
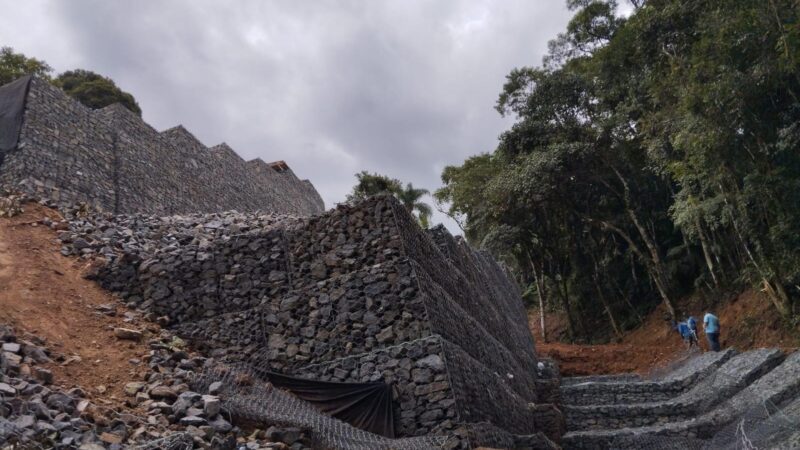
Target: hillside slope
44 293
749 321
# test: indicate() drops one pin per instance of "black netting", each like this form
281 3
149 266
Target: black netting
246 395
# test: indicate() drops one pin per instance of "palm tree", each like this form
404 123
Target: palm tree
409 197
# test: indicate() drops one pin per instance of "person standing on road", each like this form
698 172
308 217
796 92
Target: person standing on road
711 327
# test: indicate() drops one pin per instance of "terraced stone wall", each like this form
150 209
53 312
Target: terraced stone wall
313 295
623 392
755 396
737 373
485 294
418 374
346 315
65 152
114 161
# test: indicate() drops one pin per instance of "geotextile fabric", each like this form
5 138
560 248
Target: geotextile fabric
367 406
12 108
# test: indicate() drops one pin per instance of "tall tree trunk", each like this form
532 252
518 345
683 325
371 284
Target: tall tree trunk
706 253
607 307
539 290
658 266
774 291
654 268
567 309
627 299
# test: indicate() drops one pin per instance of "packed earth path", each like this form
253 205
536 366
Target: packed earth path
44 293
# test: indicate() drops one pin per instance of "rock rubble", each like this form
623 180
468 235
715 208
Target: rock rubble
36 413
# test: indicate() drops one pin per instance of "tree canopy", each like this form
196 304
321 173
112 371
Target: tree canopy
92 90
15 65
95 91
370 184
651 155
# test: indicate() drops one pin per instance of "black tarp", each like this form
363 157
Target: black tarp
367 406
12 107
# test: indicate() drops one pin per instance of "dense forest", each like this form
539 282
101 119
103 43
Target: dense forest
653 155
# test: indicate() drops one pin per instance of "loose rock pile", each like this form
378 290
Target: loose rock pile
10 204
36 413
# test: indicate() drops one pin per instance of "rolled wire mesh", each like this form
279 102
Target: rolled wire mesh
175 441
761 426
246 395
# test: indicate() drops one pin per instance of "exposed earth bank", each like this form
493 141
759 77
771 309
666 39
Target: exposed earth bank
748 320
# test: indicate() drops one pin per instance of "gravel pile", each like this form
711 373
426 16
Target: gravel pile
36 413
142 235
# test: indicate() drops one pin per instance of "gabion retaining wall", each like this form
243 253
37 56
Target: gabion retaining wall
114 161
731 377
65 152
315 295
767 388
674 384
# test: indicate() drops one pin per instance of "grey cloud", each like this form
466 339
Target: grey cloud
398 87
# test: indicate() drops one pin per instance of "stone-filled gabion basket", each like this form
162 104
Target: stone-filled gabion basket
360 293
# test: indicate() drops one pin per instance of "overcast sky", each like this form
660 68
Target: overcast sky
399 87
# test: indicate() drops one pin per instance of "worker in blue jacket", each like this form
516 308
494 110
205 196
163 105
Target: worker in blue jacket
688 335
711 327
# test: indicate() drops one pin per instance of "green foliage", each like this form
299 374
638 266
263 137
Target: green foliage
410 198
650 155
370 184
15 65
89 88
95 91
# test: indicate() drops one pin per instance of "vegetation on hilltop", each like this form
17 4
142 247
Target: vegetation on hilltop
370 184
95 91
92 90
652 155
15 65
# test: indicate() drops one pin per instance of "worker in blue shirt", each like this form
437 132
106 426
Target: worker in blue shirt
691 322
711 327
687 334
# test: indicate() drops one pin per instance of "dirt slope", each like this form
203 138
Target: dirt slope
44 293
748 321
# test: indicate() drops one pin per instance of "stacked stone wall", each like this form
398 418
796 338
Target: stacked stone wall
499 314
343 316
483 396
450 321
676 383
736 374
65 153
343 240
114 161
419 378
349 285
772 391
199 281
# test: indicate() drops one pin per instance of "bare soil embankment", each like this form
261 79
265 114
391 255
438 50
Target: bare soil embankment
44 293
748 321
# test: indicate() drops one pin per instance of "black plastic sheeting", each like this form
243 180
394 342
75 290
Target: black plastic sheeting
12 108
367 406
